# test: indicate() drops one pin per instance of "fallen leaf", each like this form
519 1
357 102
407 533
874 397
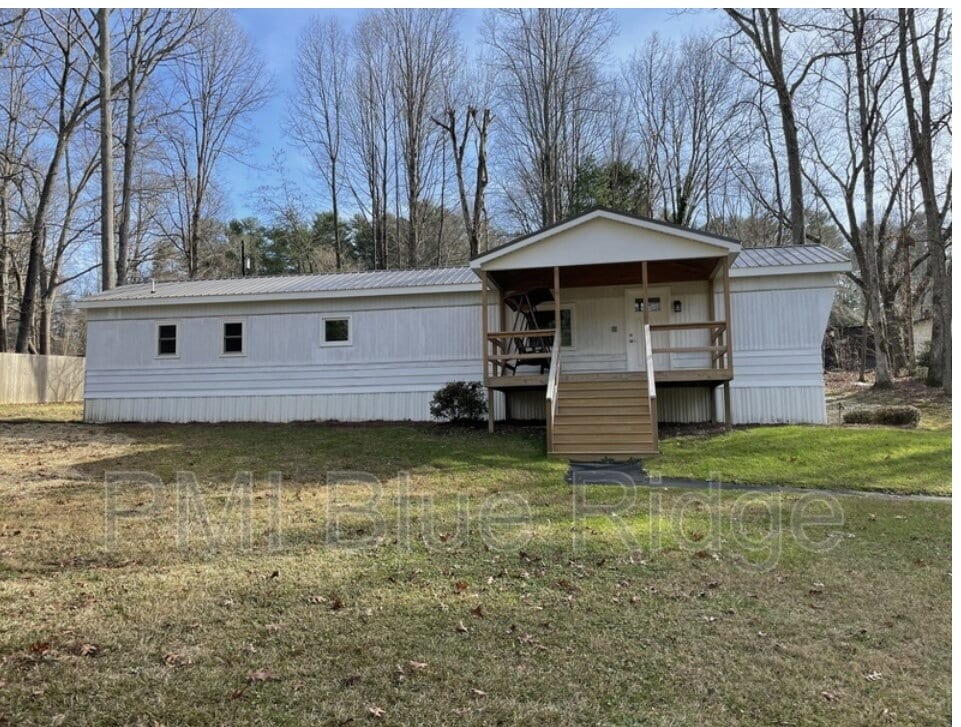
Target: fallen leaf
89 650
316 599
262 675
567 585
238 693
478 611
171 659
461 586
478 692
417 665
873 676
41 647
376 712
461 627
336 604
351 680
275 574
829 696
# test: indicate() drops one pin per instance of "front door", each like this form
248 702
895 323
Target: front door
659 311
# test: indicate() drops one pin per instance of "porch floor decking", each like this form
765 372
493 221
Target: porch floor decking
537 381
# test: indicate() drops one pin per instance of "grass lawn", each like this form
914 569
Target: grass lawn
478 589
859 458
883 459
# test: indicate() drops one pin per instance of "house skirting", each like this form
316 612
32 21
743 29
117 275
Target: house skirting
354 407
690 404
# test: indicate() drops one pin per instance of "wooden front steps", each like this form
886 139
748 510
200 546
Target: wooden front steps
601 416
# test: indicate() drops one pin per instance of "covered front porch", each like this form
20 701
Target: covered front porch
601 339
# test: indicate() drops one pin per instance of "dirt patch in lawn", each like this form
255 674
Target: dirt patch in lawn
843 388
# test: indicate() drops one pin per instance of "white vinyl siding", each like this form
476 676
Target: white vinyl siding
403 348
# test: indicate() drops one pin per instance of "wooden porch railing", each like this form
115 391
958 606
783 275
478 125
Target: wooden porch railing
505 346
553 377
719 347
651 386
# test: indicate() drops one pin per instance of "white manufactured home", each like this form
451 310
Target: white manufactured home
602 326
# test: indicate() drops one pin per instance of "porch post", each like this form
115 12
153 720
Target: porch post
728 418
557 300
712 316
484 350
728 422
647 313
502 326
727 315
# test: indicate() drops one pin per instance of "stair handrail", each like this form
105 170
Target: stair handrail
553 376
651 388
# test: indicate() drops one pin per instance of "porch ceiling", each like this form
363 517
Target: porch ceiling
585 276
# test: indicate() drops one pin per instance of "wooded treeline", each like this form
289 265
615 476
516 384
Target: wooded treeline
776 127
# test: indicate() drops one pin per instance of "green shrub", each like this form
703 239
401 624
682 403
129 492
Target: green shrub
892 416
459 401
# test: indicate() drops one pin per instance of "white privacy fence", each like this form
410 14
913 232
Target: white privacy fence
29 379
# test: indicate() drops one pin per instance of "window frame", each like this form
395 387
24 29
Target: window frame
156 347
549 308
336 317
224 353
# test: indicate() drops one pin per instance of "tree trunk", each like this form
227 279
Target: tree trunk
921 128
4 256
864 343
107 254
129 153
38 232
333 200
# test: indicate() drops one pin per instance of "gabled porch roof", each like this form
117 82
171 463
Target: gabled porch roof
605 237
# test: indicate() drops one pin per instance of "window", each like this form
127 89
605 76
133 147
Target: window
167 339
653 305
233 338
335 331
545 319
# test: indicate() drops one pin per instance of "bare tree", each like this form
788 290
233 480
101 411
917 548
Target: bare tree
923 49
318 112
371 127
459 133
551 98
424 49
858 99
150 37
683 102
19 134
221 83
58 49
767 32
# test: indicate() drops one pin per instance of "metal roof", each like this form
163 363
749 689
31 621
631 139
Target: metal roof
291 285
383 282
764 257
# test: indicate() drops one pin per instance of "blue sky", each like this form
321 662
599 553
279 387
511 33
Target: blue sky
275 34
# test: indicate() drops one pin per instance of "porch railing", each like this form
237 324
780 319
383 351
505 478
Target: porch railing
553 377
506 347
719 347
651 386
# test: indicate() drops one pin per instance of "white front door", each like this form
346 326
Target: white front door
659 311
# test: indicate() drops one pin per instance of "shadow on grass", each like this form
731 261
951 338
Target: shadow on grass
307 452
